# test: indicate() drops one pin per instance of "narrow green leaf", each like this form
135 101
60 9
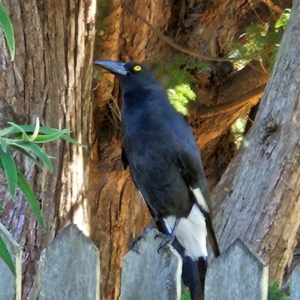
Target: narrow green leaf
6 131
8 31
3 144
1 208
29 128
20 129
24 137
72 141
10 170
45 138
16 129
43 130
5 255
26 153
33 202
36 150
36 130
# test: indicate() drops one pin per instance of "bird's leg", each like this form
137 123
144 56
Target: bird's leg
134 242
168 239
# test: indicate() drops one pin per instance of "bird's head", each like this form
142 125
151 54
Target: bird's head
130 73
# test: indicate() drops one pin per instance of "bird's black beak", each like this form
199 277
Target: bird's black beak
115 67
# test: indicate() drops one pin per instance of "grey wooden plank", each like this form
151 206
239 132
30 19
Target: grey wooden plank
151 275
10 286
295 284
70 268
237 274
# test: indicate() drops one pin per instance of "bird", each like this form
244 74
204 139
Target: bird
165 165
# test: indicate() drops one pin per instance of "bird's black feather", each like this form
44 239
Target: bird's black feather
164 160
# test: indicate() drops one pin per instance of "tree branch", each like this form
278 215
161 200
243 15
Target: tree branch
172 43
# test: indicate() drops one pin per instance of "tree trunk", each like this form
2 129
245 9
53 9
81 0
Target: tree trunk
50 79
258 196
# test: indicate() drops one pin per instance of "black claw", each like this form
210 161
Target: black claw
167 240
159 235
134 244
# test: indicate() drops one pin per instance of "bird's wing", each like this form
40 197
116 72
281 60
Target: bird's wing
192 171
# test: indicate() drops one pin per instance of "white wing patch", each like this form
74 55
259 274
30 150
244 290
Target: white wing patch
200 198
191 232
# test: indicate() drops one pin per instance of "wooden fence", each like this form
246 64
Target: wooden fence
69 269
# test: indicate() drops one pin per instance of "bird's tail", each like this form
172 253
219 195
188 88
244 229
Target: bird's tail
193 271
193 276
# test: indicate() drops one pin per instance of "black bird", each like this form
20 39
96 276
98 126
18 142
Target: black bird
166 167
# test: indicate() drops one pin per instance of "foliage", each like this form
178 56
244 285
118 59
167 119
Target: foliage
180 96
8 31
238 128
275 293
24 138
186 295
283 19
176 78
177 70
261 42
101 22
5 255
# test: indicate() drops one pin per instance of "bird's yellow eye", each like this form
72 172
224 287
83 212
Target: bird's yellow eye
137 68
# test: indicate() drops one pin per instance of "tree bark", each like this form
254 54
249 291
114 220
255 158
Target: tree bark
51 79
257 198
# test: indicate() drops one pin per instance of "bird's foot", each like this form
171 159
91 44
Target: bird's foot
134 242
159 235
167 240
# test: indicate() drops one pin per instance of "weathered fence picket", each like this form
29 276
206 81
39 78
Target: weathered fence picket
151 275
295 284
237 274
70 268
10 285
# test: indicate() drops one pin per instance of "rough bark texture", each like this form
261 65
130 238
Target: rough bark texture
258 196
118 213
50 79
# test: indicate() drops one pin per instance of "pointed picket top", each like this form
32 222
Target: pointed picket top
70 267
295 283
237 274
151 275
10 285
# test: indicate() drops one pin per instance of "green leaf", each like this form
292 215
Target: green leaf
44 130
7 131
275 292
15 128
10 170
20 129
45 138
1 208
5 255
72 141
36 150
26 153
36 130
3 144
33 202
186 295
8 31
